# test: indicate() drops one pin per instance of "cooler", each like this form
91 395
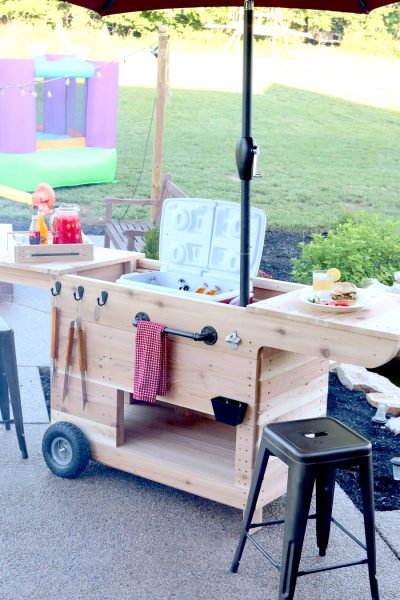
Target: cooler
200 248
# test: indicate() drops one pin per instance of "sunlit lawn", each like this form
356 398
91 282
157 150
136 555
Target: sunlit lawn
321 157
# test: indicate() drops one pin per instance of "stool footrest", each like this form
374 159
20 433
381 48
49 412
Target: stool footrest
350 535
278 522
7 422
308 571
332 567
263 551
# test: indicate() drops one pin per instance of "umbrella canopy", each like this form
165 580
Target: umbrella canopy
110 7
246 149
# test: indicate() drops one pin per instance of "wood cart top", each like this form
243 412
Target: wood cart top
368 337
381 316
42 274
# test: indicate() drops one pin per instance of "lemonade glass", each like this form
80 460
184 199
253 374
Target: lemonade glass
322 282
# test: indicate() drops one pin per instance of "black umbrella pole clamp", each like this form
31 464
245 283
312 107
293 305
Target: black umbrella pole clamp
247 153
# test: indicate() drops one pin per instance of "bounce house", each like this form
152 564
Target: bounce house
58 119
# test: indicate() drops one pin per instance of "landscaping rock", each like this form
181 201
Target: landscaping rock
391 401
394 425
360 379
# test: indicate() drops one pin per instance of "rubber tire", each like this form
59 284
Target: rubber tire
79 446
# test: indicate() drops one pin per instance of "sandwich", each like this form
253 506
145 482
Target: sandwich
344 291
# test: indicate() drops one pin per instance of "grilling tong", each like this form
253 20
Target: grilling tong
76 327
55 331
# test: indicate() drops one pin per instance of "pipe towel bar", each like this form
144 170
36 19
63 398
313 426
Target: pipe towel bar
208 334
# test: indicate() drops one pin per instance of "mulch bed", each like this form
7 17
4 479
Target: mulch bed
349 407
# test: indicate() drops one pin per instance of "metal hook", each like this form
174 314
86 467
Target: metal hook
81 291
104 296
57 285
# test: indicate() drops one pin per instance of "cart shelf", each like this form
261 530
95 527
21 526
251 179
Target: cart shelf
190 452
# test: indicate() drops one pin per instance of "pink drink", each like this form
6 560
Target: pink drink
66 226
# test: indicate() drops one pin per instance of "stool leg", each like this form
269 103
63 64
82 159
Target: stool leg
367 490
4 400
10 364
325 489
299 492
256 482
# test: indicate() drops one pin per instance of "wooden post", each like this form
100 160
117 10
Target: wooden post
160 112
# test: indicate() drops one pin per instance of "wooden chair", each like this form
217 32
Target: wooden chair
129 235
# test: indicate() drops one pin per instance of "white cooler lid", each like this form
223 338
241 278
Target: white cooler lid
203 236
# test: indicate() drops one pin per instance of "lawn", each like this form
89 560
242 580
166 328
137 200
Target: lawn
321 157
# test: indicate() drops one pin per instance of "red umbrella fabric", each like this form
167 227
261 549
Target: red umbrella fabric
110 7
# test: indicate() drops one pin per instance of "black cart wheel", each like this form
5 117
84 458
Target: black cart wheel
65 449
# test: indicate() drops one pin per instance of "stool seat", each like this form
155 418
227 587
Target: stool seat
9 386
312 440
313 449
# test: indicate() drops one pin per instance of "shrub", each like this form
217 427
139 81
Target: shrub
151 243
363 248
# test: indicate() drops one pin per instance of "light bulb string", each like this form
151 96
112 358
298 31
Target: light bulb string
23 87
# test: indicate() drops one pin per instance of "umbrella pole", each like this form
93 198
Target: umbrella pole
245 151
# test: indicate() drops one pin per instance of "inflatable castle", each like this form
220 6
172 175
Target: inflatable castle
58 116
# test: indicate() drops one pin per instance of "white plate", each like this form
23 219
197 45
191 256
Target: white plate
363 300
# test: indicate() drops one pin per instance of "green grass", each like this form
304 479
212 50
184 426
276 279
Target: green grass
321 157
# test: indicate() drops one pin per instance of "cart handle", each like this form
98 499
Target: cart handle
208 334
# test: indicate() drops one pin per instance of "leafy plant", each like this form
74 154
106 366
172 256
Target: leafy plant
151 243
362 248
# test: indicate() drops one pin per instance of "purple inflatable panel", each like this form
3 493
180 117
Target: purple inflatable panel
102 102
71 112
17 106
55 93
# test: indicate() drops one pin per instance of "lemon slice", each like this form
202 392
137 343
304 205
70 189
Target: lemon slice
334 274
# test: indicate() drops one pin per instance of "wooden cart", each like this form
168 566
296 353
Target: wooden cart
279 369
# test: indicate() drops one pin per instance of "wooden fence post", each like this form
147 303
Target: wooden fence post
162 82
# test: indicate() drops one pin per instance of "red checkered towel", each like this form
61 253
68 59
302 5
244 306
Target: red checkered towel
150 375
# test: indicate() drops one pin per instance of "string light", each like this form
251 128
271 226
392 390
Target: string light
24 86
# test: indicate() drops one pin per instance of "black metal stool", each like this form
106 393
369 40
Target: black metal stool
313 449
9 385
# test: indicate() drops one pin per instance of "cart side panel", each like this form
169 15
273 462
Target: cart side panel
96 433
292 386
104 408
196 374
245 451
286 378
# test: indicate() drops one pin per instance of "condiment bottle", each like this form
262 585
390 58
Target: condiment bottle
44 232
34 230
202 289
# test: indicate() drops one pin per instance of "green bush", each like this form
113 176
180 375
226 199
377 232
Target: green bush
363 248
151 243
